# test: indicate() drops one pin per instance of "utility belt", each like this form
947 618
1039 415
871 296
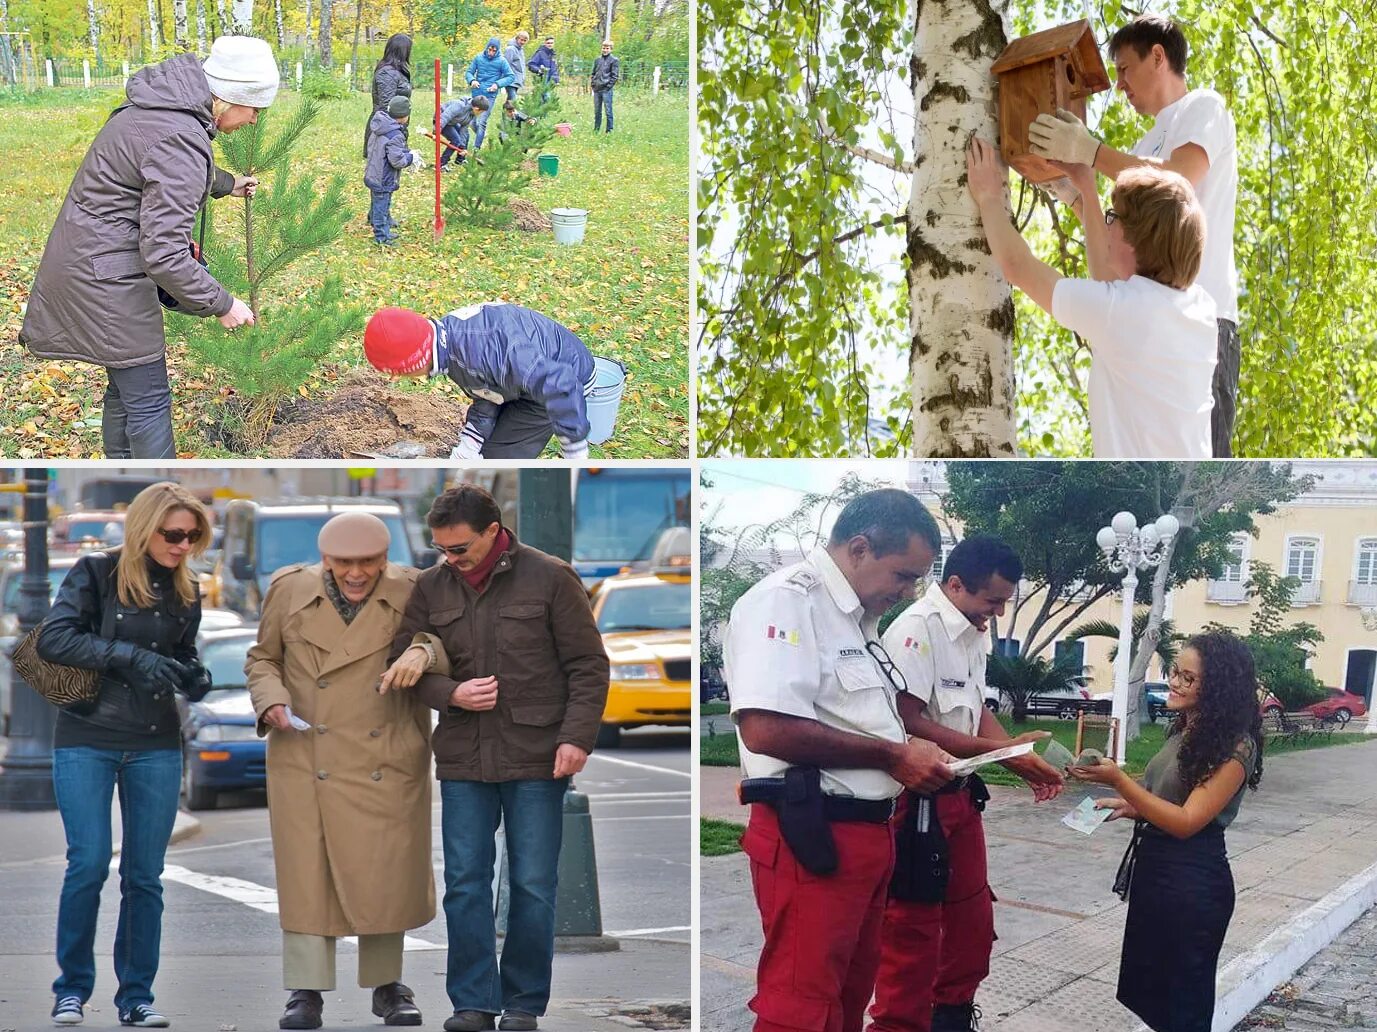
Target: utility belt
806 814
922 856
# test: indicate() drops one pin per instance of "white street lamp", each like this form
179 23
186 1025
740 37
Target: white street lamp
1127 549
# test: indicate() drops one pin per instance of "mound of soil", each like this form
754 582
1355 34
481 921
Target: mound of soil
367 415
528 216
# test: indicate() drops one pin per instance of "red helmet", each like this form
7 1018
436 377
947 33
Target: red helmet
398 340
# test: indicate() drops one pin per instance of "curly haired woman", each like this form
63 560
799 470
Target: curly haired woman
1175 873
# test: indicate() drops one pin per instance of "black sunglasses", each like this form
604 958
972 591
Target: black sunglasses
1109 216
891 671
456 550
177 536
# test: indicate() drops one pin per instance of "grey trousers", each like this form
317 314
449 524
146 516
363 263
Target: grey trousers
136 422
1225 389
308 961
523 430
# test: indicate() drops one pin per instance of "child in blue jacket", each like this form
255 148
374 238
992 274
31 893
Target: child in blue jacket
387 156
528 376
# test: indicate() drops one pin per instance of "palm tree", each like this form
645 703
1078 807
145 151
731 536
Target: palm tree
1021 678
1167 644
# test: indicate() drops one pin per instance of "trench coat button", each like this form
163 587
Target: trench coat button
376 775
375 733
321 729
322 775
322 683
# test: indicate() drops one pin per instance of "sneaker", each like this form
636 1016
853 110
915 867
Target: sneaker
143 1016
67 1011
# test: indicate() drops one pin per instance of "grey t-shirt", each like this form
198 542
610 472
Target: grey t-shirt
1163 776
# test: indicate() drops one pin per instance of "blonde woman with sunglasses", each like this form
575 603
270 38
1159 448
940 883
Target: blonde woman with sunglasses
131 613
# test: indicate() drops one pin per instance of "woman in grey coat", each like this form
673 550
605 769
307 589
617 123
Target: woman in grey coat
391 77
125 230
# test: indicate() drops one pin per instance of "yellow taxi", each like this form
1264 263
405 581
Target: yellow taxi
644 620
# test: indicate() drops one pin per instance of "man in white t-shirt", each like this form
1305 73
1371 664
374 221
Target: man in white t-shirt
1150 327
823 753
939 920
1192 134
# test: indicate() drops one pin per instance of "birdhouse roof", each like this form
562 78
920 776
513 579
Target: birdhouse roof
1075 38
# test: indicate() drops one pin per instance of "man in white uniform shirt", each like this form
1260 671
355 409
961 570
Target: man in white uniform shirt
824 753
938 926
1193 135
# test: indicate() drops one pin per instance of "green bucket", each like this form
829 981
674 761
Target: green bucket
548 164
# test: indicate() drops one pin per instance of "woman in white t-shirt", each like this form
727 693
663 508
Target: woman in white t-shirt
1151 329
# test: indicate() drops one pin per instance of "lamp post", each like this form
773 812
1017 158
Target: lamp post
1127 549
26 777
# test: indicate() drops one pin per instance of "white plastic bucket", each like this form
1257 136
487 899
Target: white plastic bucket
602 403
568 224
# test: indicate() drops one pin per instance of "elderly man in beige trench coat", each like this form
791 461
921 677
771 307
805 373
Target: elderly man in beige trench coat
348 767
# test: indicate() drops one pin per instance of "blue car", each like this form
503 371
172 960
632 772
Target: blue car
221 750
1156 698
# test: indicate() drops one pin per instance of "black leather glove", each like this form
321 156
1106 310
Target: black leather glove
160 674
197 683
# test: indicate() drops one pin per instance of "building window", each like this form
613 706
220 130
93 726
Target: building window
1302 556
1233 569
1362 590
940 563
1229 588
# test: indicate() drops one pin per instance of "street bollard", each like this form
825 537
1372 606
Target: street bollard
449 87
298 75
124 69
49 63
349 73
86 73
655 85
578 907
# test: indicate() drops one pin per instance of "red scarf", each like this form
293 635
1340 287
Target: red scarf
478 576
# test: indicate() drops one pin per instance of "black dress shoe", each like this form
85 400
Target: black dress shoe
396 1004
303 1009
517 1021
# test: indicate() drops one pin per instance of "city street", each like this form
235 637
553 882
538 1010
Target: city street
221 966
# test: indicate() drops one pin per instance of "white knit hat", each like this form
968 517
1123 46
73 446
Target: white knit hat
241 70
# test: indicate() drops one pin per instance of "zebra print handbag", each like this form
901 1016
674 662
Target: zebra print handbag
64 686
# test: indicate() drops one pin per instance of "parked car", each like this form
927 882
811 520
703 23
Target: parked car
1156 694
1066 703
1338 707
86 529
261 537
646 627
11 574
221 750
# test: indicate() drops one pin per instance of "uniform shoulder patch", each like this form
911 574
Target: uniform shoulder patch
286 571
802 580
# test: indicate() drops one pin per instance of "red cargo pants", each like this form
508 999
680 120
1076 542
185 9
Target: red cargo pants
938 953
822 934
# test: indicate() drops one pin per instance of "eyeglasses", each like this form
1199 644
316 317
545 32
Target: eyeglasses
177 536
1109 216
457 550
891 671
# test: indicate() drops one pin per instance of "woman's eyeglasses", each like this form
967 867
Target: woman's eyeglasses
891 671
1110 215
176 536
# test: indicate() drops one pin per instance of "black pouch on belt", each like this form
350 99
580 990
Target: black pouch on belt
980 795
804 823
922 858
198 251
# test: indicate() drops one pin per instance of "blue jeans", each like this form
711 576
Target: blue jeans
457 136
480 121
84 780
380 214
602 99
533 815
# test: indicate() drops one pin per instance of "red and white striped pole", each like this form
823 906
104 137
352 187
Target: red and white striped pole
439 143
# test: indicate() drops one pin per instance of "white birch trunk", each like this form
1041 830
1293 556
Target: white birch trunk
181 27
277 12
93 29
153 36
9 67
961 314
1147 643
326 37
200 26
306 52
241 17
222 20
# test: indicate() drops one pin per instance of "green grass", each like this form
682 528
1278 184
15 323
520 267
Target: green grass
718 751
624 291
715 709
719 838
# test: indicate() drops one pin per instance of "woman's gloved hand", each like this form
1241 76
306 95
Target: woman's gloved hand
159 673
197 683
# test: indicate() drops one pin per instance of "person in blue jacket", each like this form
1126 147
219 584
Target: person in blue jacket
387 156
487 74
528 376
544 65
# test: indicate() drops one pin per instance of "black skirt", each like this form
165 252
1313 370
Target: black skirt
1181 897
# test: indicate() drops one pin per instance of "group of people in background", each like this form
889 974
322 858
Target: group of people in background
353 653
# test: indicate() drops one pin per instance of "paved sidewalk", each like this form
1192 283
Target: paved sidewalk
1310 829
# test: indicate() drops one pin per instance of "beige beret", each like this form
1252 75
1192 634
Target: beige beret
354 535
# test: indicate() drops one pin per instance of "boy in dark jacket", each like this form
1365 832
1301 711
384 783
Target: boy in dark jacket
456 118
387 156
528 376
607 72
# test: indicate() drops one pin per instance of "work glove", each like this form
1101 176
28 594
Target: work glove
467 448
1063 190
417 160
1063 137
573 449
160 674
197 683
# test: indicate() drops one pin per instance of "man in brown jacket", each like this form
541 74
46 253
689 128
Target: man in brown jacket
348 768
518 717
125 231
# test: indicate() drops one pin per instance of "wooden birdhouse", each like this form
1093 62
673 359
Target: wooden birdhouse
1055 68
